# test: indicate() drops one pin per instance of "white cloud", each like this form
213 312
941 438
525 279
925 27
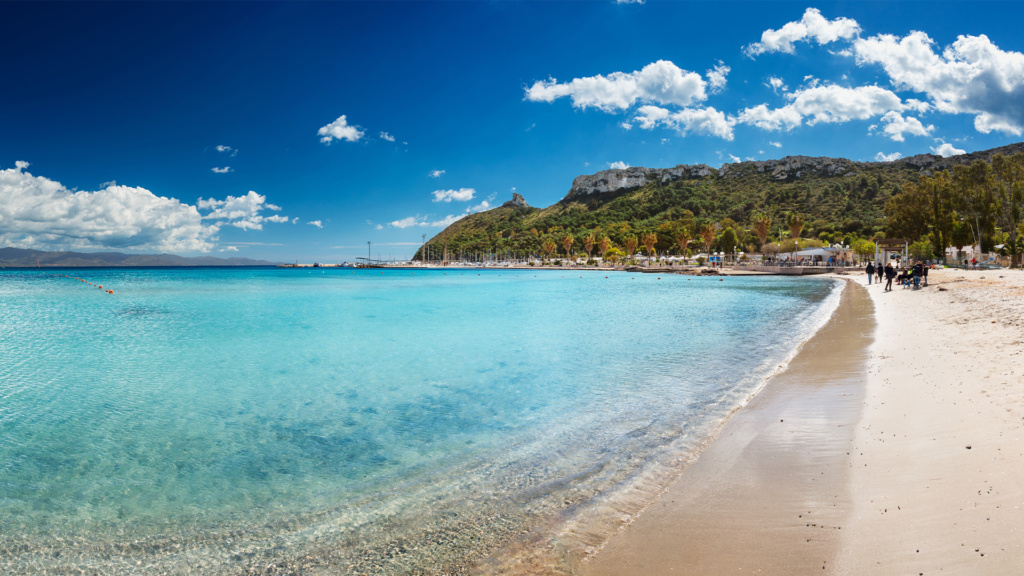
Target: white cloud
223 170
618 165
895 125
776 144
661 82
436 173
785 118
227 149
316 223
971 76
408 222
339 130
379 227
242 211
36 212
104 185
776 84
697 120
813 26
946 150
461 195
411 221
447 221
483 205
734 159
716 77
229 249
626 125
629 1
880 157
386 136
827 103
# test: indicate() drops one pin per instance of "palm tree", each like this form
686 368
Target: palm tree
588 244
604 244
707 233
762 224
567 241
795 222
549 247
650 239
630 243
682 236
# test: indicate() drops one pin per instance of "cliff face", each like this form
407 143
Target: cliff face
633 177
785 169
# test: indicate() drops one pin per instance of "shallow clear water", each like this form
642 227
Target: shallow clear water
328 410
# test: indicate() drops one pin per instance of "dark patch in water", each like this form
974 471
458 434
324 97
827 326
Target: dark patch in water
139 311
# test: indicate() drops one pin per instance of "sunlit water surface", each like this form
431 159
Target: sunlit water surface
214 420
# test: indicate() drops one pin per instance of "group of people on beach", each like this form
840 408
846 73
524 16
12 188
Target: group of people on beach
908 277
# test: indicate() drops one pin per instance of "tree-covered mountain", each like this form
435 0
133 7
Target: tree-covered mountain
834 199
19 257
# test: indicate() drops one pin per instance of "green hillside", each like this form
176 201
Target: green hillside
838 200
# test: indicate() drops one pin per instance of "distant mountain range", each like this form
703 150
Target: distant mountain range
19 257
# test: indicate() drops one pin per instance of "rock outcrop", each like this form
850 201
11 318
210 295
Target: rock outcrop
633 177
517 201
785 169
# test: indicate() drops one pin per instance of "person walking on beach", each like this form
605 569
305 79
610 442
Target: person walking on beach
890 273
918 271
878 272
924 275
965 264
871 272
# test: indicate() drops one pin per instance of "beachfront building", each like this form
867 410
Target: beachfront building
895 249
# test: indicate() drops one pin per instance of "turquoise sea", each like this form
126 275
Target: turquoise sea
326 421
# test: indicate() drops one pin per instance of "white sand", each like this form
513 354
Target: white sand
937 465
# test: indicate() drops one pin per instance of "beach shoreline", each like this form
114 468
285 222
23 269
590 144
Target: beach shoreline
918 471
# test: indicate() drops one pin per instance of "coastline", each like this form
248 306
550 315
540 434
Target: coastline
917 471
769 493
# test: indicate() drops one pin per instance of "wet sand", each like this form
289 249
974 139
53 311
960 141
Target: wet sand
771 494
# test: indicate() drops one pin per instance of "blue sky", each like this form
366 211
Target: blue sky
217 127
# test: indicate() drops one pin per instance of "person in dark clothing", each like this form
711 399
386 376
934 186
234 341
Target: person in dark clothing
890 273
878 272
871 272
925 275
917 273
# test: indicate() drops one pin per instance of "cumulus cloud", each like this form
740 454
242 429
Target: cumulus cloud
36 212
971 76
776 144
339 130
243 212
660 82
483 205
461 195
436 173
447 221
411 221
386 136
227 149
626 125
945 149
316 223
716 77
813 26
618 165
827 103
696 120
407 222
895 125
223 170
880 157
776 84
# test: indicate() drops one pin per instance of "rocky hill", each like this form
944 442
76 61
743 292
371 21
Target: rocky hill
837 197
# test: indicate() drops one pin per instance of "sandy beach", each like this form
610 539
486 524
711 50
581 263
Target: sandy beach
892 444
